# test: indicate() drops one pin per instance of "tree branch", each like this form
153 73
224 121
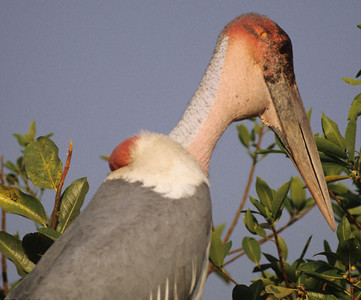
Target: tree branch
3 228
350 216
246 191
224 273
280 256
54 220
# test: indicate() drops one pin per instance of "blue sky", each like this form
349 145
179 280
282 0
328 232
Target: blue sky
99 71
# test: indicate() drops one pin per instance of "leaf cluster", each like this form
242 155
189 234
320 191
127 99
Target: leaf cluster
39 168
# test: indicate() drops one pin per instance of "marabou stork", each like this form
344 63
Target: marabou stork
146 232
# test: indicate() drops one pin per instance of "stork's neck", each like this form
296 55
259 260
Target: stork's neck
194 131
221 98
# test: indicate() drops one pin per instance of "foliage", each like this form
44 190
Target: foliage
331 274
21 190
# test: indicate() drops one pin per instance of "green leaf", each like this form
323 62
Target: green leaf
300 259
259 206
279 199
343 230
25 139
250 221
349 251
279 144
350 134
31 135
269 151
329 147
105 157
227 248
331 256
252 249
321 270
11 166
264 193
283 246
260 231
42 163
252 224
20 139
71 202
15 201
50 233
309 113
257 128
330 129
319 296
352 81
270 258
334 178
298 193
241 292
218 251
355 109
243 135
256 289
12 248
326 246
35 245
350 138
279 291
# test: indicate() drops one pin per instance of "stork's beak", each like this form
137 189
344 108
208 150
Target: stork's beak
294 131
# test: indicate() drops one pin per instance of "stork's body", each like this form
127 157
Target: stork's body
146 232
149 244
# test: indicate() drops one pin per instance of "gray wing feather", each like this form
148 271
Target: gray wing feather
129 243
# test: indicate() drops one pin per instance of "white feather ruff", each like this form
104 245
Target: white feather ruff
161 163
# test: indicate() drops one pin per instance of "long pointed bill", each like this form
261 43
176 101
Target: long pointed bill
295 133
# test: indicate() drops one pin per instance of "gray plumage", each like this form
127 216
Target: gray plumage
128 243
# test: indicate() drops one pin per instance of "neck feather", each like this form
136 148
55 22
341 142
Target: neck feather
197 126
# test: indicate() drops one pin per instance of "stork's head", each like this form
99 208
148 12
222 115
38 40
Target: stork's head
253 54
258 79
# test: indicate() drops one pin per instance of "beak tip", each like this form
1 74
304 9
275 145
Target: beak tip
331 223
332 226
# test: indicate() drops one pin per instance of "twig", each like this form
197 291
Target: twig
280 256
350 216
17 174
54 220
2 177
350 280
32 193
246 191
292 220
3 228
3 258
221 270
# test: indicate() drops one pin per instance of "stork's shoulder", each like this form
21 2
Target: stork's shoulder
162 164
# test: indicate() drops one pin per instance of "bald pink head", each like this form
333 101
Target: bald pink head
269 44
